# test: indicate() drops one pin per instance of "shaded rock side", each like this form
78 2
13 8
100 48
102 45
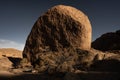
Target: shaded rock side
108 41
60 28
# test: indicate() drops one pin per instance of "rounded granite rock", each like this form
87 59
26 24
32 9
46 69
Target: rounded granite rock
60 28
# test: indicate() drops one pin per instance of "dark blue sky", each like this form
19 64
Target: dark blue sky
18 16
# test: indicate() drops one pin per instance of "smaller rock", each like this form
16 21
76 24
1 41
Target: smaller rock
118 32
108 41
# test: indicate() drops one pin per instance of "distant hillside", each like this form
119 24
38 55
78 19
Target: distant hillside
10 52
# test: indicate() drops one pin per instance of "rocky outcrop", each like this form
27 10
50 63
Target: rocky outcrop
9 58
110 63
60 28
108 41
110 44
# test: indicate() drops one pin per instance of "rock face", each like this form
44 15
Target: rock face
60 28
108 41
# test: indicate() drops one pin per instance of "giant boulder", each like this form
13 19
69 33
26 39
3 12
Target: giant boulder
60 28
